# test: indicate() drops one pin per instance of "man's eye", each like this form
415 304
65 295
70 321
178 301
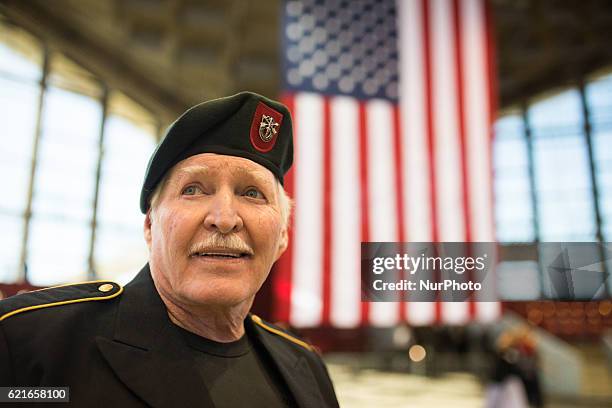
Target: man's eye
253 193
192 190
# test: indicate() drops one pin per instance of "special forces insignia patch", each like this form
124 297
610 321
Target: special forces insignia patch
265 127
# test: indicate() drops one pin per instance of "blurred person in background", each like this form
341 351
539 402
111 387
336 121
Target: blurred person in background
516 380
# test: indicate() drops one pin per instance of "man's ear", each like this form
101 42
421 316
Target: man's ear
147 228
283 242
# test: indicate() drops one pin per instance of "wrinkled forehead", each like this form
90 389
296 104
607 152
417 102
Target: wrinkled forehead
211 165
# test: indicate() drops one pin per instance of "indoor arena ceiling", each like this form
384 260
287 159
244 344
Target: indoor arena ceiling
169 54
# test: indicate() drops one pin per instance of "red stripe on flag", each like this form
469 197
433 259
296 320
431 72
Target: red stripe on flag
491 67
281 284
492 92
462 135
399 189
429 117
327 211
430 131
365 213
461 118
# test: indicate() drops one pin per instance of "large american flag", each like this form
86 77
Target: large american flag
392 103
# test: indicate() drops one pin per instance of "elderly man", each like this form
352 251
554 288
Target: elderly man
180 334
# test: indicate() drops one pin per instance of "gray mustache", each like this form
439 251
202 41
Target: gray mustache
221 242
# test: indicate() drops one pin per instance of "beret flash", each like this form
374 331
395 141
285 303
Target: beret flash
245 125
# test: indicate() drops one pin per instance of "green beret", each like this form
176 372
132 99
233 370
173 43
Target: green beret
246 125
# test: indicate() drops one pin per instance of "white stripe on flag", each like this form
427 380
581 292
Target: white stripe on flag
306 298
417 211
346 213
488 312
449 182
477 119
417 184
381 187
455 312
477 106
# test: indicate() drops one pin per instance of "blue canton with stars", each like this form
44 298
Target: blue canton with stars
341 47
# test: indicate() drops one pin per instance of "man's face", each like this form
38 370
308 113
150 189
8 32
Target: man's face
215 230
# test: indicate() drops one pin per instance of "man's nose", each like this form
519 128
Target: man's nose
222 215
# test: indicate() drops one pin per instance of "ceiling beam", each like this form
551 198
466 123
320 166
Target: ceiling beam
103 61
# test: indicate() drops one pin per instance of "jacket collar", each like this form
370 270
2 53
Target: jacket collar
292 366
147 354
142 317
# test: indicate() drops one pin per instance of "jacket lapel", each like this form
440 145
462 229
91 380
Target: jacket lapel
293 368
146 353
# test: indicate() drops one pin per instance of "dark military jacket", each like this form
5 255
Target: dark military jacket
116 346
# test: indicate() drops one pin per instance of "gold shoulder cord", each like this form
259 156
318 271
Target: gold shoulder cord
284 335
63 302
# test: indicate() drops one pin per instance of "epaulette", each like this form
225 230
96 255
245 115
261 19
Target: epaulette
59 295
258 321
